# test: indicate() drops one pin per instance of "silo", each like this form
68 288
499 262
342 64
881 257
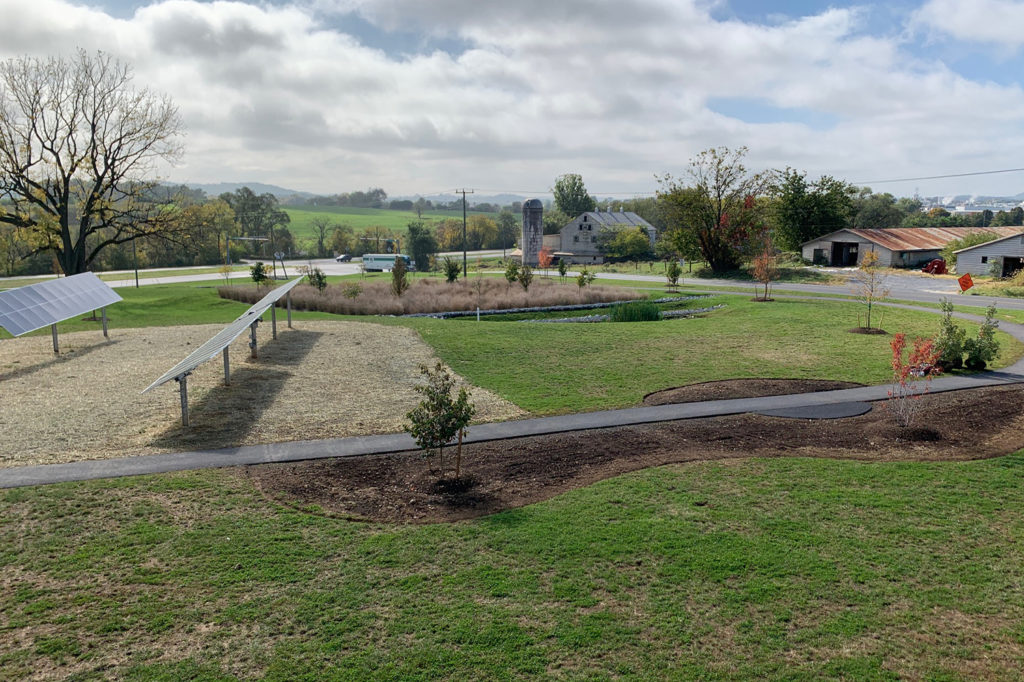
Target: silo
533 231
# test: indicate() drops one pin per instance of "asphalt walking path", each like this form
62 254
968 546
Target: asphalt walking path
808 405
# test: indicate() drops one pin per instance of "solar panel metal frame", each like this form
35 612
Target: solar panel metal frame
35 306
224 337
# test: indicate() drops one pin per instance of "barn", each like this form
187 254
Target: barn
578 241
897 247
1003 256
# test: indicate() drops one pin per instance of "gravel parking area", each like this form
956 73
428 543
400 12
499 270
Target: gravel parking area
320 380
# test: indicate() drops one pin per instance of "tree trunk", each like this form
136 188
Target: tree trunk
458 456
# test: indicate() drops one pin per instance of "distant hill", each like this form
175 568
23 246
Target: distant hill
218 188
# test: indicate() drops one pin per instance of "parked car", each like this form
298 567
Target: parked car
343 258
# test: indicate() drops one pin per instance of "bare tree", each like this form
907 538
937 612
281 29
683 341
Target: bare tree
77 151
869 284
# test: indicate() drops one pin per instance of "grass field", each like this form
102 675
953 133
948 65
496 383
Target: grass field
786 569
301 218
553 368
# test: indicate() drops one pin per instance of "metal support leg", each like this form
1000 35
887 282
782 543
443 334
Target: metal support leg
273 321
53 332
183 392
104 316
227 368
252 340
289 310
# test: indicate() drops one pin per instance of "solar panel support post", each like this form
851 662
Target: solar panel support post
252 339
227 367
289 310
273 322
53 333
103 314
183 392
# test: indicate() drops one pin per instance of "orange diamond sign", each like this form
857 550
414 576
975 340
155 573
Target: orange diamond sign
966 282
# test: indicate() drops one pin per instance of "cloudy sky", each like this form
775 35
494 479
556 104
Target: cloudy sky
423 96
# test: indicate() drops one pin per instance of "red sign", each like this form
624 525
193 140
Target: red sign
966 282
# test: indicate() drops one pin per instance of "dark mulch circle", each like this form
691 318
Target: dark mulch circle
406 488
868 330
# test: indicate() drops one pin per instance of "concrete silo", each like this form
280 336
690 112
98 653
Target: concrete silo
533 231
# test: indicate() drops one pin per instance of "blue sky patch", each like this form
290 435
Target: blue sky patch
757 110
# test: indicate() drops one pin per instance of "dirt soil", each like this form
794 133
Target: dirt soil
404 488
742 388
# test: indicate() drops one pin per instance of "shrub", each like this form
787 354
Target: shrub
399 277
672 274
258 272
585 278
635 311
984 348
950 341
317 279
525 277
512 272
907 376
563 269
351 290
451 269
439 417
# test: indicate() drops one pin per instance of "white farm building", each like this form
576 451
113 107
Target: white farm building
1001 257
897 247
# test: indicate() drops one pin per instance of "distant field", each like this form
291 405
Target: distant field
360 218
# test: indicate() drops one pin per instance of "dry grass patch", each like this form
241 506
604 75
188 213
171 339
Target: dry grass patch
435 296
320 380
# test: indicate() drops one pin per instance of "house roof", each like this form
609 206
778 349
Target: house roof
918 238
1001 239
614 218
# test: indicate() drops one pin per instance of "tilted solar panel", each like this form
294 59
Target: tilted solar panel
35 306
224 337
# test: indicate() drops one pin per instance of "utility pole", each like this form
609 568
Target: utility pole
464 192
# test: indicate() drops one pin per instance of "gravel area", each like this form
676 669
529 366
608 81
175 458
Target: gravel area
320 380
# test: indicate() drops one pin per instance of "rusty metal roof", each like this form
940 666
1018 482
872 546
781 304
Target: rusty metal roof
925 238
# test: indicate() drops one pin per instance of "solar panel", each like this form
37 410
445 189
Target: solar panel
224 337
35 306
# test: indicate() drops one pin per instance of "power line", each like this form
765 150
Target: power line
940 177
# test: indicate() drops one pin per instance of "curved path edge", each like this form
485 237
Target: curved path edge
295 451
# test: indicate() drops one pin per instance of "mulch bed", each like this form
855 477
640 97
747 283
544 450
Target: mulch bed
404 487
742 388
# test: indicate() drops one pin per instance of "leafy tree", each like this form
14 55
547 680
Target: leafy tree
256 214
806 210
449 235
563 269
511 272
440 417
719 211
571 196
422 245
399 277
876 211
258 272
420 206
525 277
554 220
585 278
673 272
507 228
343 239
950 341
317 279
380 237
77 144
765 269
631 243
983 348
452 269
544 258
970 239
869 283
481 233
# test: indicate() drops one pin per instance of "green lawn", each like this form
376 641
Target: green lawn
784 569
301 224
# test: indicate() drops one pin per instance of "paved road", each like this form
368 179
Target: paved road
366 445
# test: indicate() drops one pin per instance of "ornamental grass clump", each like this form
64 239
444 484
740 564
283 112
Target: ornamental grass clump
635 311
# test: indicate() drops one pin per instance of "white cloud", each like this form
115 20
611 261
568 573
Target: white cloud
997 22
618 91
